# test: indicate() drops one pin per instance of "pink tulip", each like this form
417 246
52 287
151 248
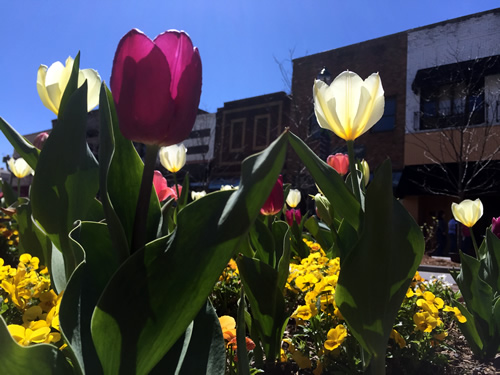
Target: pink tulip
495 226
161 187
40 139
275 201
339 162
156 86
292 215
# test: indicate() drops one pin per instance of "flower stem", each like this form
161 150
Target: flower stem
354 172
141 211
474 243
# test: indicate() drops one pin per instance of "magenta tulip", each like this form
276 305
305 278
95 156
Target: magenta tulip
495 226
40 139
339 162
275 201
293 215
156 86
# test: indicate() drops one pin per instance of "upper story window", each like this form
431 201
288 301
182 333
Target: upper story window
388 120
261 131
237 135
452 105
453 95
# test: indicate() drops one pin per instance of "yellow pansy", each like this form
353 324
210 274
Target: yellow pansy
335 337
457 312
395 335
426 322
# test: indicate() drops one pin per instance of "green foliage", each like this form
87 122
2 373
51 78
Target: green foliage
479 283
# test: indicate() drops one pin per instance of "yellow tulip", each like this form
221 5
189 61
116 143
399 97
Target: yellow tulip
52 81
468 212
293 198
349 106
19 167
173 157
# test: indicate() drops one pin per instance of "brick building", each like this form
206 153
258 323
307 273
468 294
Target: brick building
245 127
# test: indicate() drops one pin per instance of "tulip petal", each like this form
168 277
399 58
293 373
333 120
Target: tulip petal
42 90
346 89
327 118
94 86
371 107
140 82
186 102
178 49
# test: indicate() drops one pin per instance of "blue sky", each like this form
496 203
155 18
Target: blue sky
238 40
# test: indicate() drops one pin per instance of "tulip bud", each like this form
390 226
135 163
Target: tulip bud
52 81
156 87
468 212
293 198
339 162
495 226
293 215
274 203
40 139
19 167
323 208
173 158
227 187
195 195
365 169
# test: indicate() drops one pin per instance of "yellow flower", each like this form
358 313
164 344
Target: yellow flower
52 81
19 167
467 212
349 106
335 337
302 361
430 302
173 157
395 335
293 198
228 326
457 312
36 333
29 261
426 322
305 312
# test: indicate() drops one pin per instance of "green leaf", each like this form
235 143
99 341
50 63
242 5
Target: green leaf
71 87
172 277
329 181
65 183
32 239
469 329
321 233
108 120
39 359
262 242
477 294
25 149
203 351
84 289
377 272
490 263
267 303
284 260
120 177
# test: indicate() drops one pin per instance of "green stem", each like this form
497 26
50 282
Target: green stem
474 243
352 168
19 188
141 212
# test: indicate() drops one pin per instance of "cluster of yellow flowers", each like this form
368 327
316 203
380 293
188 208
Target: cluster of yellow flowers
26 289
427 318
11 236
230 272
316 278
